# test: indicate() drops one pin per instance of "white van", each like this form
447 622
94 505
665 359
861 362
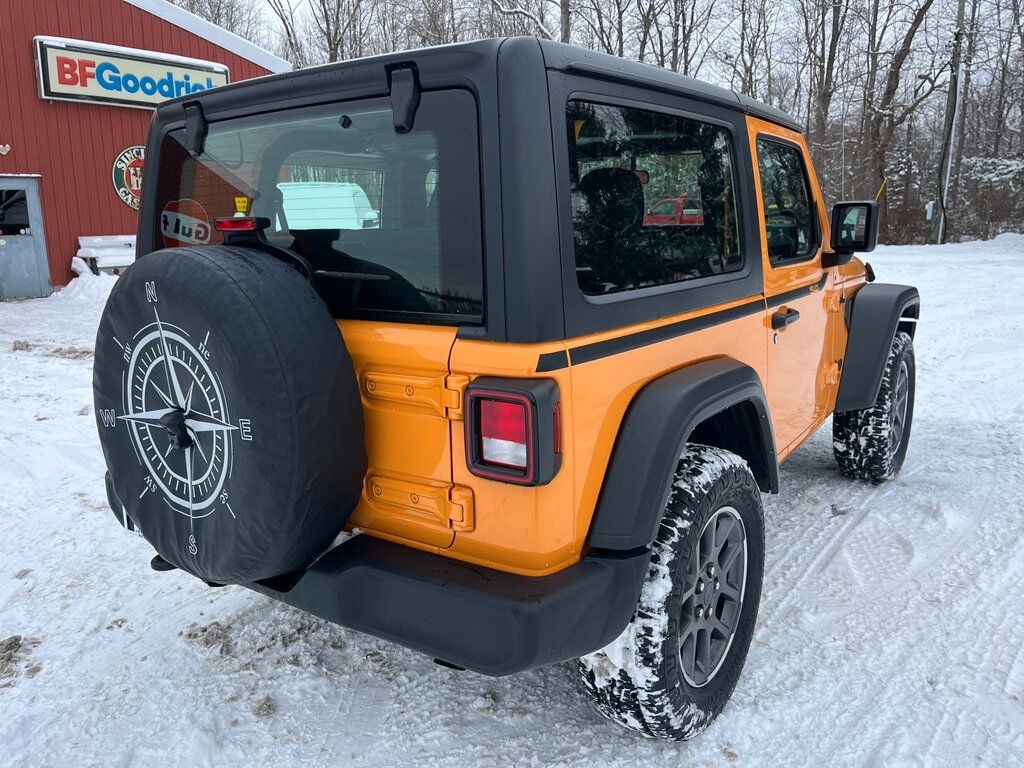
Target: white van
327 205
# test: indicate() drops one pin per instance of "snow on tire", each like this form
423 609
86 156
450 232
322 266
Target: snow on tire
871 443
703 586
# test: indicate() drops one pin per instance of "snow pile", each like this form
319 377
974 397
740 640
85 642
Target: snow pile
890 632
86 287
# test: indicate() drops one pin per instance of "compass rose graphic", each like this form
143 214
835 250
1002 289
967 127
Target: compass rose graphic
178 419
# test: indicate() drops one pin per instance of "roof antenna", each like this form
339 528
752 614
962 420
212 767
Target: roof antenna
195 128
405 97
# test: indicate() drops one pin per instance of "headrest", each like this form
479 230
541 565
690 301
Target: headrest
615 200
308 242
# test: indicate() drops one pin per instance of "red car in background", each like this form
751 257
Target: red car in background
675 211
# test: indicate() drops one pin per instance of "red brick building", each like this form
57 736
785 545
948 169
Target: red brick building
80 82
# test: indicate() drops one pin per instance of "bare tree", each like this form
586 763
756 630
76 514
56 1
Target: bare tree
538 17
293 43
683 34
866 77
242 17
824 28
888 98
751 60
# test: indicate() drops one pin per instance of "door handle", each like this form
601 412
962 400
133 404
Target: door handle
782 318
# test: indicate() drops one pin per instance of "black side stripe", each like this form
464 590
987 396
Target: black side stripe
555 361
588 352
552 361
797 293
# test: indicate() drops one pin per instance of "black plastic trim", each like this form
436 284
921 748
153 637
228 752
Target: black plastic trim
488 621
874 317
656 427
532 277
404 84
782 319
834 259
195 128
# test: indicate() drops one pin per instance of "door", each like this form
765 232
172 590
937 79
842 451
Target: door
796 286
23 269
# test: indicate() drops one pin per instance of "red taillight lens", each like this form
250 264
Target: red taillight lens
504 430
236 224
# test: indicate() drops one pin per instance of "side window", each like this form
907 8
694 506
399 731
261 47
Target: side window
789 223
629 168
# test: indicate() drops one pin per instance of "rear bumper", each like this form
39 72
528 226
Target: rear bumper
488 621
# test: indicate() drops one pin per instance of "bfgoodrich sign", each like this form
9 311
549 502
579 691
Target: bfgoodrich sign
80 71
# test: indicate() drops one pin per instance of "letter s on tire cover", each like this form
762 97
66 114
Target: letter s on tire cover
243 458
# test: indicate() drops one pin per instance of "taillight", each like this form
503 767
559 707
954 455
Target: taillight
504 427
513 430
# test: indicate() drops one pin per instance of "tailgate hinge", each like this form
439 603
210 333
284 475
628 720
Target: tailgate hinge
461 515
450 506
441 394
454 390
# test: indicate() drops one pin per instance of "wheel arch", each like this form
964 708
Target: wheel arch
877 311
721 401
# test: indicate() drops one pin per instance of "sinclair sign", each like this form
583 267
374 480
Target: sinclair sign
76 70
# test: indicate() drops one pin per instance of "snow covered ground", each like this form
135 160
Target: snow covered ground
890 633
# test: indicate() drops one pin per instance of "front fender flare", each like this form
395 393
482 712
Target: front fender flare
874 317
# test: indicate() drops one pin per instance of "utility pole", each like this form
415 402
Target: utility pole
952 105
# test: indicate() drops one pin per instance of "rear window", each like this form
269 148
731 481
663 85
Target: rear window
390 222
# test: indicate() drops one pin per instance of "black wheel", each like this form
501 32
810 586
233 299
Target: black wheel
674 667
228 412
871 444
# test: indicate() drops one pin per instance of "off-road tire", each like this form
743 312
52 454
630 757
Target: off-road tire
867 443
638 680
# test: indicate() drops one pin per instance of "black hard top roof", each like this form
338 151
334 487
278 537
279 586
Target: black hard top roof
557 56
569 58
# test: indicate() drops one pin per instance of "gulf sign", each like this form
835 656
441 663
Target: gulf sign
81 71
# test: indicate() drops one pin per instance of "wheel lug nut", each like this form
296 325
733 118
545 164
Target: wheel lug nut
700 611
700 587
711 570
717 584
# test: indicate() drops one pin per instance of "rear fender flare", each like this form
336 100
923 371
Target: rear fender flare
656 426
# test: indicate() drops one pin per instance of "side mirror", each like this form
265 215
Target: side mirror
854 227
371 220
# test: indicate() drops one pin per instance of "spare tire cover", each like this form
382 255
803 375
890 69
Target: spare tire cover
228 412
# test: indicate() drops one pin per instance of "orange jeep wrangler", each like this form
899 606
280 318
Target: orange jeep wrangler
400 351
